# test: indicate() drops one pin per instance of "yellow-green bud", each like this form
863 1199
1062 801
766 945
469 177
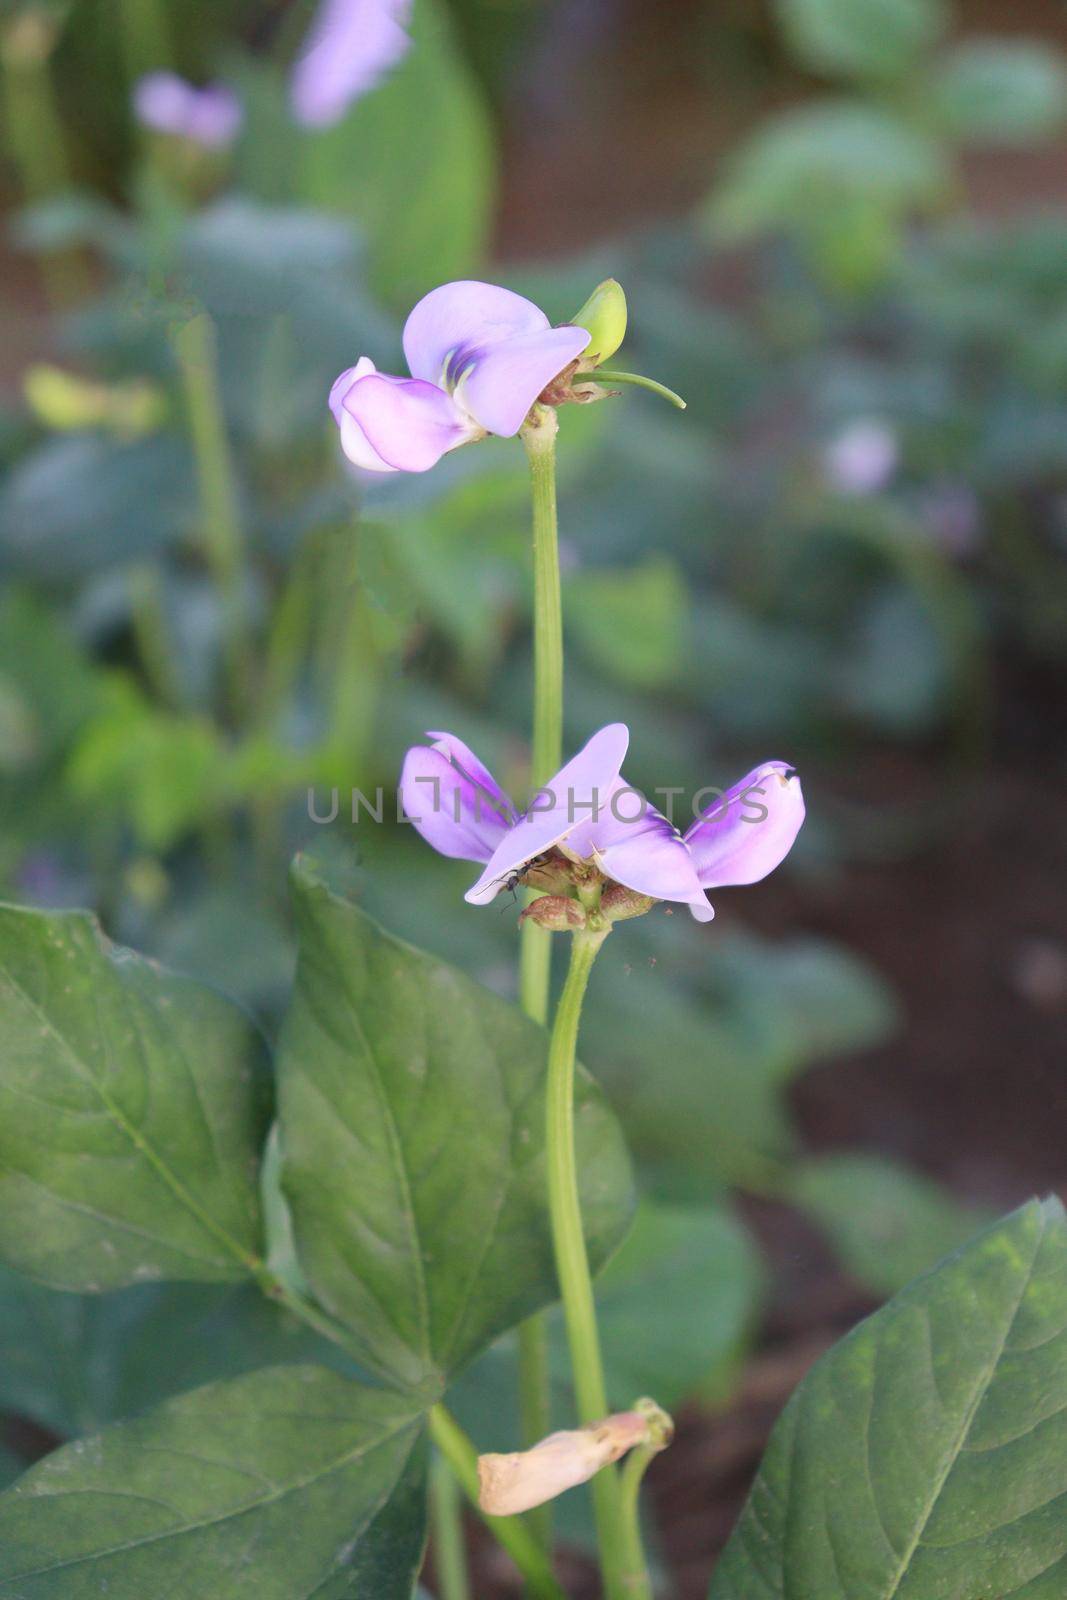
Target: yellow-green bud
604 318
66 402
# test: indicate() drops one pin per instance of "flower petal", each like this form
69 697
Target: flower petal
503 379
168 104
409 424
635 845
354 442
745 834
514 1483
464 313
557 809
464 759
351 45
453 800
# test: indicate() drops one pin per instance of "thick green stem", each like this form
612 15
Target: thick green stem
512 1533
535 957
446 1526
539 437
222 543
621 1559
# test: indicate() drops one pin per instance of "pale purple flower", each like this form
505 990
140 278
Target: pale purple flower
863 457
210 116
479 357
350 47
588 813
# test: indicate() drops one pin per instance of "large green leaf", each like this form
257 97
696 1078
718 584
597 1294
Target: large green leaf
278 1485
411 1118
132 1112
925 1457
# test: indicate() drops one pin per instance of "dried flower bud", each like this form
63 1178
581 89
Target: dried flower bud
619 903
604 318
556 912
513 1483
659 1423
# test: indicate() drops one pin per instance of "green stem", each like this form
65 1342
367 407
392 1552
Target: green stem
539 437
637 379
446 1523
151 633
35 136
535 951
516 1537
222 542
621 1559
145 37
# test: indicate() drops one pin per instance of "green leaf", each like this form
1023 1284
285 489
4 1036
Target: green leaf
925 1457
73 1363
1002 91
80 503
862 38
806 163
632 623
411 1117
160 771
283 1484
381 151
132 1112
712 1105
887 1224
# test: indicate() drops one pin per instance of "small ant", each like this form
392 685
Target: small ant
512 880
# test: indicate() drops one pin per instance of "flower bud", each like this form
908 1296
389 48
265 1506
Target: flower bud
619 903
659 1424
604 318
513 1483
556 912
66 402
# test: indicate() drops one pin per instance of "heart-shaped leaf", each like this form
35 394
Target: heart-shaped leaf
287 1483
925 1457
132 1113
411 1114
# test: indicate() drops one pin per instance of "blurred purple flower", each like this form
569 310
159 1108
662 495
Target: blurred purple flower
862 458
589 813
351 45
210 116
479 357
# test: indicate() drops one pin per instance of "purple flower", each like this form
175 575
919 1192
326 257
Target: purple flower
479 357
863 458
351 45
588 813
166 103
